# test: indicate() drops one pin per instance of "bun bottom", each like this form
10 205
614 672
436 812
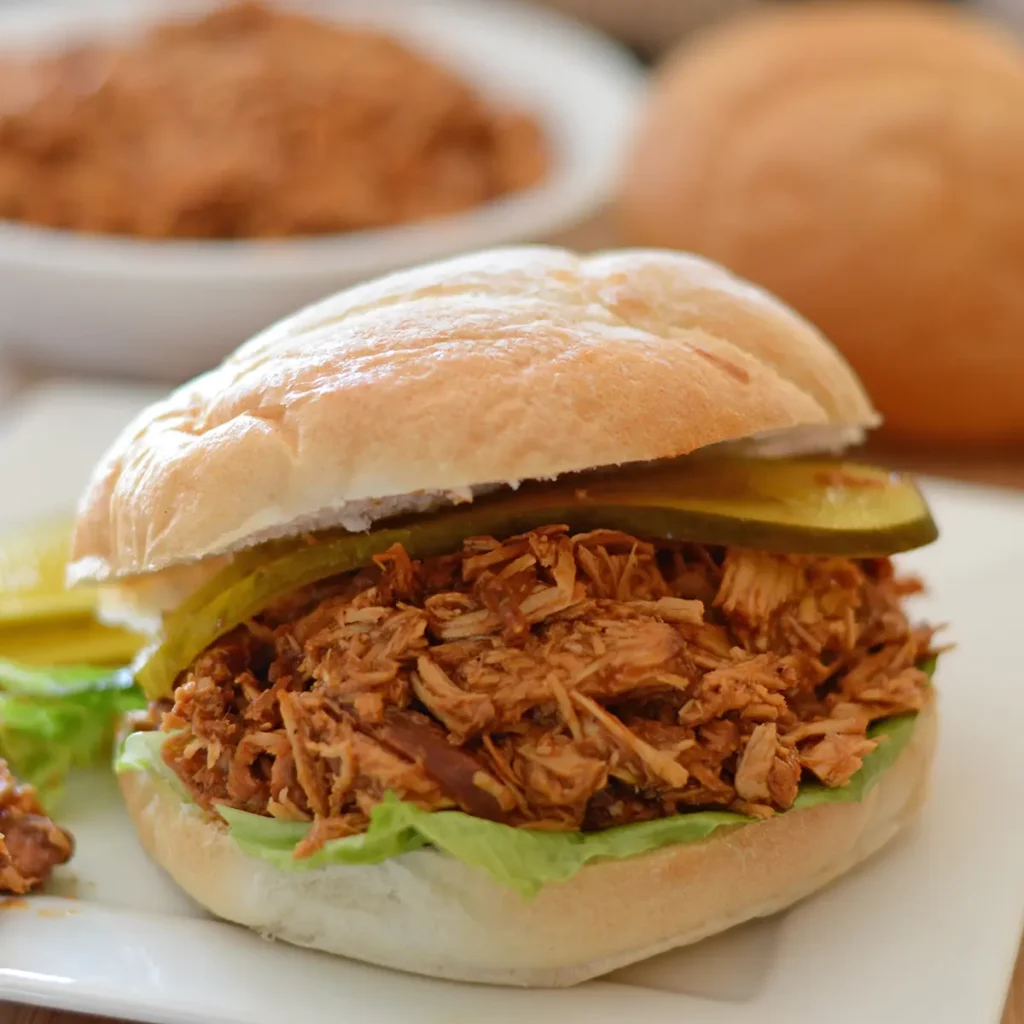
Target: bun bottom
428 913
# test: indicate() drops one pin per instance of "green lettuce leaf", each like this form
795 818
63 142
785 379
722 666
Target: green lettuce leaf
519 858
56 719
140 752
523 860
275 840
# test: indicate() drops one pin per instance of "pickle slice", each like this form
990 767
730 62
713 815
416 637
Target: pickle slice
32 563
784 506
69 642
41 621
790 507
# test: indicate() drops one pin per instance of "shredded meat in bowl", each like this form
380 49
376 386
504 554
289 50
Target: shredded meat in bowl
551 681
250 121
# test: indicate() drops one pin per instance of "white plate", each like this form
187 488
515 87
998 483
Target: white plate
926 932
171 308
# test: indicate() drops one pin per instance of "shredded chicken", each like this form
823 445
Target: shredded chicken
31 845
551 681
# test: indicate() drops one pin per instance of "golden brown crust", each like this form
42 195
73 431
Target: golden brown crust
428 913
505 365
863 162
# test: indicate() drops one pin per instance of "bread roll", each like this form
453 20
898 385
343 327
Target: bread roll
864 162
413 390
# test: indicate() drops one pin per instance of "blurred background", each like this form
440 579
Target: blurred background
177 174
654 25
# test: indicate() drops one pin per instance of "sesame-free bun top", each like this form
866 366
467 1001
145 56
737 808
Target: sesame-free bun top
864 161
414 389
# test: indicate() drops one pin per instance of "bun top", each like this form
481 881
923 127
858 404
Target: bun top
415 389
864 162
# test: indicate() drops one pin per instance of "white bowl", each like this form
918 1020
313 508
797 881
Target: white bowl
170 308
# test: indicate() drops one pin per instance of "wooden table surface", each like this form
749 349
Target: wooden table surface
999 471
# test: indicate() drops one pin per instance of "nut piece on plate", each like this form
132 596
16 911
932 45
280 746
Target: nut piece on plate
31 845
864 162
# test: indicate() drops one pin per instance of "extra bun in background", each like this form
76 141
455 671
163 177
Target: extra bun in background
865 162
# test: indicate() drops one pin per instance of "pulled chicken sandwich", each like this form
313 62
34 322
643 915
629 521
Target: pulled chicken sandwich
488 588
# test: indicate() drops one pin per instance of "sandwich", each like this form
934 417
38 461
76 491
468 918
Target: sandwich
514 619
